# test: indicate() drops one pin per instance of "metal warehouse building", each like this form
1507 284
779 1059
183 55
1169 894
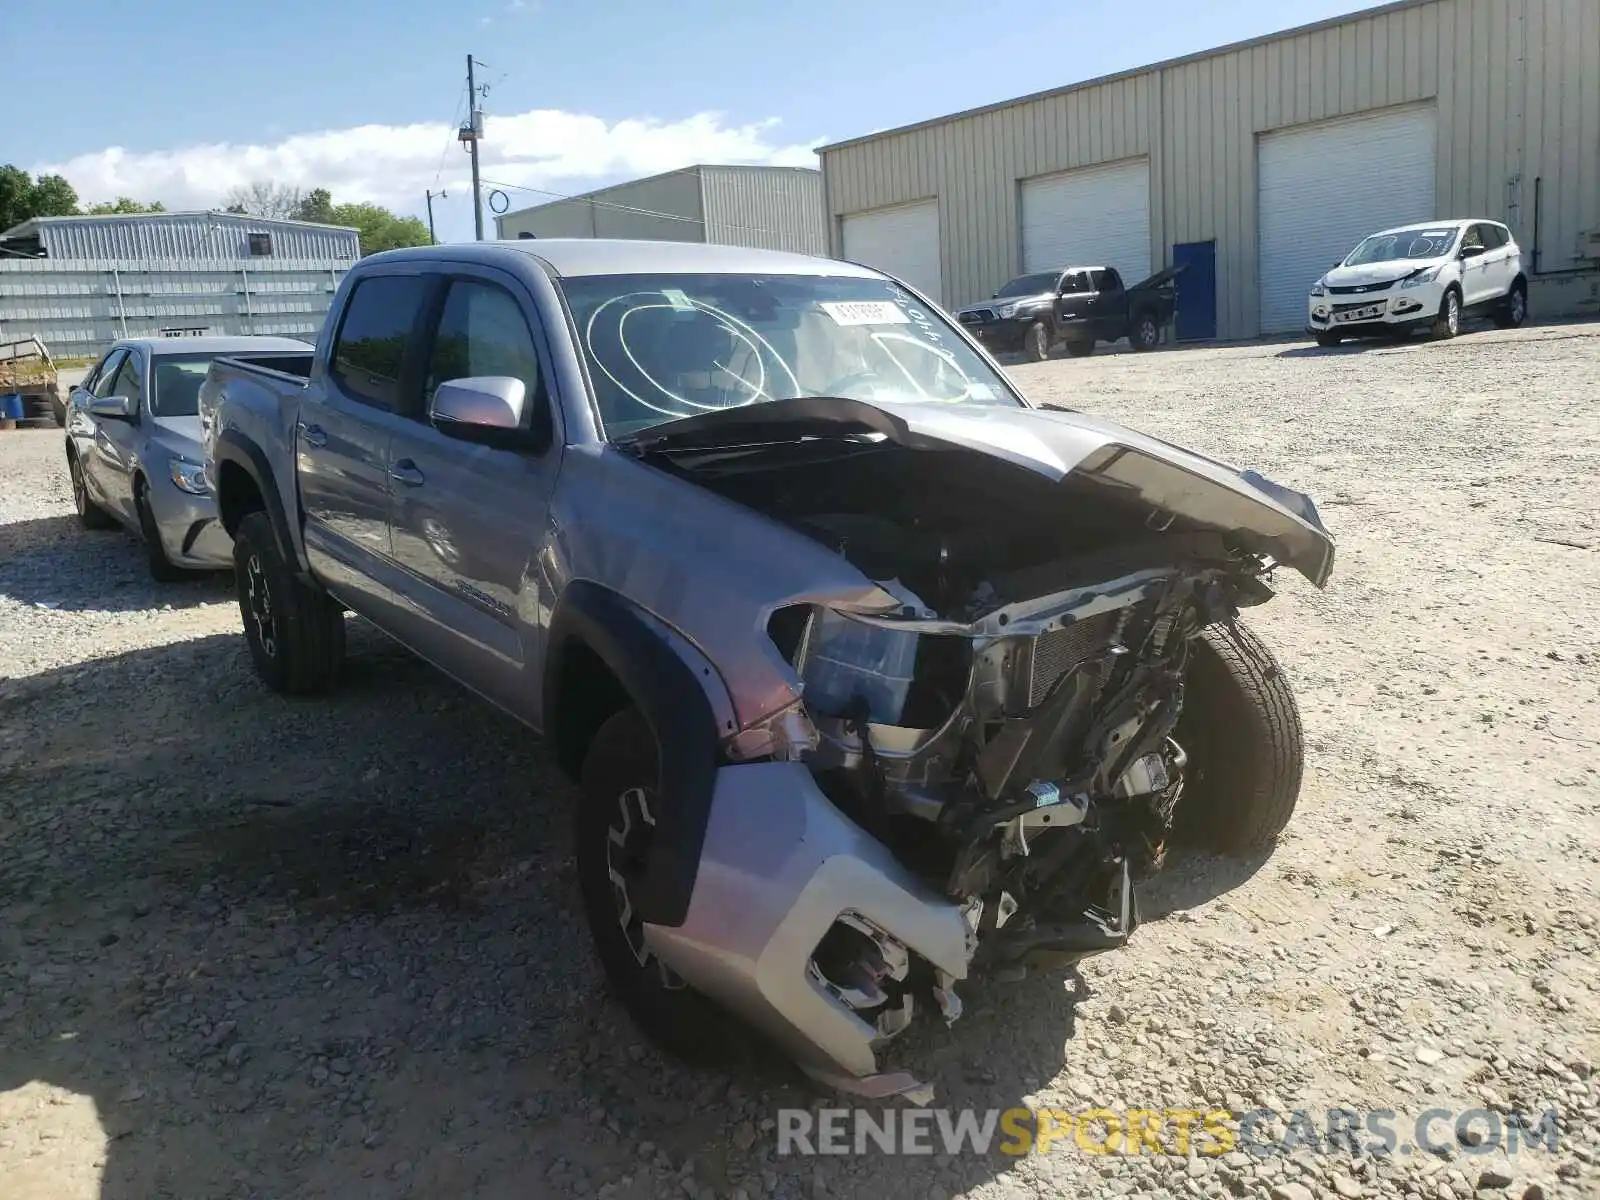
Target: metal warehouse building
1257 164
78 283
772 208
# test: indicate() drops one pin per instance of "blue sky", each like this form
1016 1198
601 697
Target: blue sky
178 101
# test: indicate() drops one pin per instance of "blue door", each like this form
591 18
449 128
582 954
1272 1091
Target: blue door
1196 319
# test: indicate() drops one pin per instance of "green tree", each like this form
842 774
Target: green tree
316 205
22 196
379 228
124 204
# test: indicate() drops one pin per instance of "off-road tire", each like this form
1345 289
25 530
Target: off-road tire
90 514
1241 730
1145 331
1081 349
1329 340
162 568
623 759
1515 310
1036 342
1448 323
296 638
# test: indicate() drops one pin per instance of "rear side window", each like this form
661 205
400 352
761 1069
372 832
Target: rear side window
1494 236
372 338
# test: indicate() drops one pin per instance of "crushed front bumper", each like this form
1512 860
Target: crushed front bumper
779 867
191 533
1353 316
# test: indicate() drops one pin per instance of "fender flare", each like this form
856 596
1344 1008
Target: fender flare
233 447
675 704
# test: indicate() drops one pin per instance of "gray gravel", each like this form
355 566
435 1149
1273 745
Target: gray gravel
255 947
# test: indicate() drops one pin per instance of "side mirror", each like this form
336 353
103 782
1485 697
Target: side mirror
1472 251
119 408
486 409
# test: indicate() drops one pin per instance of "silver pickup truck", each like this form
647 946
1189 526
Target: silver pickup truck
873 675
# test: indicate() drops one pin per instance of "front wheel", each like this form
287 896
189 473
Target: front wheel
1036 343
1448 323
615 824
1329 340
162 568
1240 727
1146 334
295 631
1515 310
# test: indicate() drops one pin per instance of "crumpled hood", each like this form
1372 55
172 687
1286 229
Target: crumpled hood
1264 516
1002 302
1386 272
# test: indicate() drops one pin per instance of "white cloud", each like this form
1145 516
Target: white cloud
393 164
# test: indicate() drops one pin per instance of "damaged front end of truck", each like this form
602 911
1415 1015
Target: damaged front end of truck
988 749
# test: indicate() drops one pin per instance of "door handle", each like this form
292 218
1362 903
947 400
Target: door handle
313 434
405 471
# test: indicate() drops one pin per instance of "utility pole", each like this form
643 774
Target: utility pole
432 237
470 133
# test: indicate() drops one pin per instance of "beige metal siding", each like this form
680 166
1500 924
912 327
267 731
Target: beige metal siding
771 208
664 207
1517 84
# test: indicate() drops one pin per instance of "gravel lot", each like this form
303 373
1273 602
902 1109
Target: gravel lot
252 947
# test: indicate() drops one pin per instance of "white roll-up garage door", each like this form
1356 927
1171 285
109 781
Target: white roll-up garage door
1323 188
1094 217
903 240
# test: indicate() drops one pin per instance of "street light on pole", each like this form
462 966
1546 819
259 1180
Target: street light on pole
441 194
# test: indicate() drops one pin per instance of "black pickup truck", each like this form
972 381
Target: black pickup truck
1075 307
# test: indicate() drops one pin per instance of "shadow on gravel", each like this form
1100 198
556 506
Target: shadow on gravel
333 948
55 563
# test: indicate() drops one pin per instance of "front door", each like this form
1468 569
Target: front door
345 427
468 520
1475 271
115 457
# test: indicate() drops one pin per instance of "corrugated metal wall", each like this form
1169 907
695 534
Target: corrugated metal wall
771 208
664 208
184 237
1517 84
78 306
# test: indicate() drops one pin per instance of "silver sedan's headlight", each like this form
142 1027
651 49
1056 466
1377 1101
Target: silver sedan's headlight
189 476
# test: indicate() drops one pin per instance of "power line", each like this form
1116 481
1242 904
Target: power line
628 208
450 136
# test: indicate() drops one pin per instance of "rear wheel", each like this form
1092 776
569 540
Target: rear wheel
162 568
1146 332
1448 323
295 631
90 514
1036 343
1241 729
615 824
1515 310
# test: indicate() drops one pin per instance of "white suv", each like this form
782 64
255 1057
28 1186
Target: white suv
1421 276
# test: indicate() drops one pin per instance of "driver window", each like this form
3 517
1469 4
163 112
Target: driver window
1474 236
130 380
1075 284
107 374
481 332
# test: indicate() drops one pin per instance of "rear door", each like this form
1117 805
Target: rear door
468 520
1110 304
1501 268
344 434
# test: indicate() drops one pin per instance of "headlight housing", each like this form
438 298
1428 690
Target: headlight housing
1007 311
188 476
1421 278
1319 288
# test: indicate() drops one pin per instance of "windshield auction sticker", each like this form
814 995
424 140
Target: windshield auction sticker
865 312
